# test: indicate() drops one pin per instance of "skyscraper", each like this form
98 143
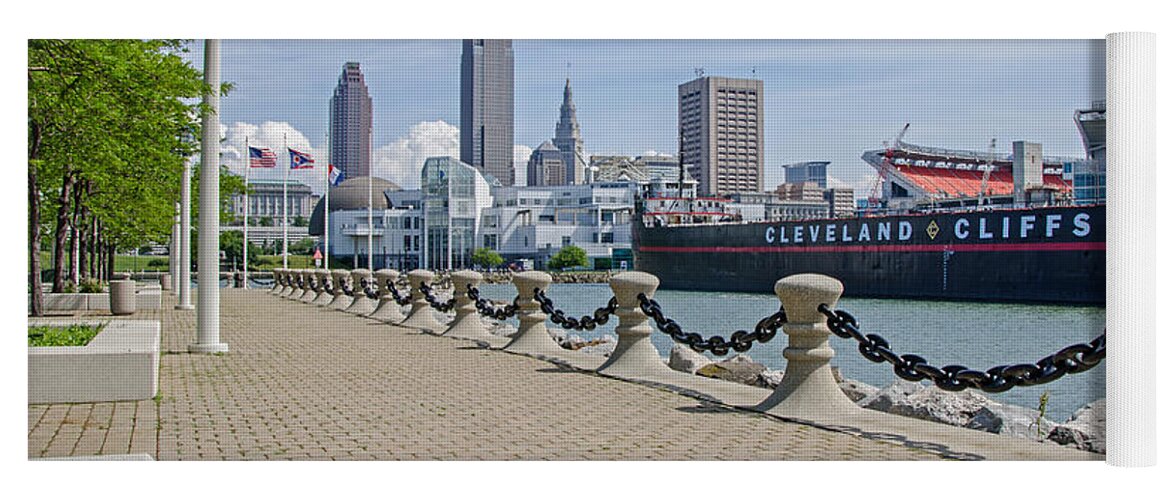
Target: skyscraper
721 123
567 138
350 117
485 108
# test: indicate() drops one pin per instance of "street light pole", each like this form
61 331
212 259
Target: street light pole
207 323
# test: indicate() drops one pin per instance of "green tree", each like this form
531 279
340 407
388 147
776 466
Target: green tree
105 120
265 221
231 243
486 257
304 246
300 221
569 256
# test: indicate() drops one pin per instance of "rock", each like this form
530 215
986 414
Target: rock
739 368
931 403
1086 430
1010 420
837 374
558 335
686 360
604 345
502 329
770 378
857 391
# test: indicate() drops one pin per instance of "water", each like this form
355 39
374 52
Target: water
976 335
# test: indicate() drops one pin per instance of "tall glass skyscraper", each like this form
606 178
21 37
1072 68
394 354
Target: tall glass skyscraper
350 116
485 108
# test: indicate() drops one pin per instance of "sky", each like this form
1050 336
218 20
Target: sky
824 99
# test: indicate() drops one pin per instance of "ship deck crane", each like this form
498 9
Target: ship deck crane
984 194
877 191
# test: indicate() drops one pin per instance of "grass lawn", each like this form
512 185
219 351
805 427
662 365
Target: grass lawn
56 336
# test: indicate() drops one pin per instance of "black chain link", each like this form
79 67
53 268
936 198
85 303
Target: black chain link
435 303
557 316
368 289
398 297
1076 358
739 341
486 309
346 288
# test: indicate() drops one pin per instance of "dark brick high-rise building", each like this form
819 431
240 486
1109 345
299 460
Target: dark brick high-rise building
350 123
485 108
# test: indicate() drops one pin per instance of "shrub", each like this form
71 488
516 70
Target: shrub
55 336
92 285
569 256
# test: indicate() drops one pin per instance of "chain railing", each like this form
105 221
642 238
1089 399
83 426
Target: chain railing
1076 358
369 289
434 302
398 297
558 317
486 308
739 341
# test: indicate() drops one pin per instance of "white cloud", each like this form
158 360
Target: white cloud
401 162
520 163
274 136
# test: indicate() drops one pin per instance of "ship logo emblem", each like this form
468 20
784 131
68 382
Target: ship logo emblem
933 230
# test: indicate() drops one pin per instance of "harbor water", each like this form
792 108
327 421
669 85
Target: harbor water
976 335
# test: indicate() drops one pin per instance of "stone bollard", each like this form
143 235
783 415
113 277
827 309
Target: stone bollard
808 389
531 336
165 282
634 357
312 287
277 281
388 310
294 285
122 298
362 304
324 283
306 286
298 285
422 316
467 324
283 281
341 282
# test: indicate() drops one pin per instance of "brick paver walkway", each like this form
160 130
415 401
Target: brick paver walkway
302 382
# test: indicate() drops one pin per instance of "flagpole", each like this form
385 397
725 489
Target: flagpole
285 207
247 202
328 167
370 221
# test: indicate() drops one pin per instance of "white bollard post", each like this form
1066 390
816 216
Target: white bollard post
207 323
422 316
634 357
362 305
531 335
388 310
467 324
808 389
324 284
341 283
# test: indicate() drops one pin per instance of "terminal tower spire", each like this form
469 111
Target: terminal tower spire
568 139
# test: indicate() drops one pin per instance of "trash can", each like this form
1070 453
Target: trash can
122 298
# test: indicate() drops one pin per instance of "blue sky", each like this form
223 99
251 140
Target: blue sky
824 99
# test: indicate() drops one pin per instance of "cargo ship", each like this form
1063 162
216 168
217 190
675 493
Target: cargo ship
951 225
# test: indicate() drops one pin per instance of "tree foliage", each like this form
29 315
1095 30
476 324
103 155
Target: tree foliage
569 256
486 257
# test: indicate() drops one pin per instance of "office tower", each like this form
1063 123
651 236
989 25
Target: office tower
721 122
568 139
485 108
350 117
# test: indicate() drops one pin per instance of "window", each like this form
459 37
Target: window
566 241
490 241
545 218
406 243
607 237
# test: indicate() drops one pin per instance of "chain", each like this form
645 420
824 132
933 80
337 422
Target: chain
1076 358
557 316
399 298
486 309
346 288
368 288
425 289
740 340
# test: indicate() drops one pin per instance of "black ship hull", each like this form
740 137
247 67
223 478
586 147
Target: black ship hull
1046 255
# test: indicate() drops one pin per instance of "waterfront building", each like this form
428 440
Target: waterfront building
348 223
536 222
350 123
800 191
807 171
547 166
486 107
721 125
611 168
775 207
1089 176
659 165
453 196
841 201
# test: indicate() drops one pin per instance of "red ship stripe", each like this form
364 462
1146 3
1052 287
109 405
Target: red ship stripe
1092 246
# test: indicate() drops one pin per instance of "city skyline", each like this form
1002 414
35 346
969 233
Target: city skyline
828 100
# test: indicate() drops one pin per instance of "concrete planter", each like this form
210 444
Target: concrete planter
146 298
120 364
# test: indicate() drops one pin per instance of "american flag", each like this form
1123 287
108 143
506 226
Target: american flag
298 159
261 158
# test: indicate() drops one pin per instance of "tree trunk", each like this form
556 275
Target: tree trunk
109 262
36 302
62 233
79 235
93 244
